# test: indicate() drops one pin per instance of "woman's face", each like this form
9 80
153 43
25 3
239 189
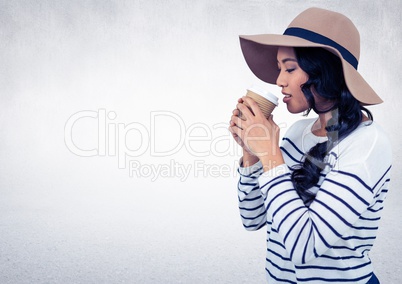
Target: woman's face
290 79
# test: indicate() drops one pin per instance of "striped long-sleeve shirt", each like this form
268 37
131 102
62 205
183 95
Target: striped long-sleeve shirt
329 240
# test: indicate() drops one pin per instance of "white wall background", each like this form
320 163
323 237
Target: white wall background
66 218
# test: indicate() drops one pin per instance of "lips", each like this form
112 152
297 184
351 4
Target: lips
287 97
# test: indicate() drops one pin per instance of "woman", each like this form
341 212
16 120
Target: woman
320 193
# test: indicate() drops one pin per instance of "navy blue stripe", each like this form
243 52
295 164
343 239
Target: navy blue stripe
279 279
256 186
283 205
318 38
276 178
375 210
283 192
382 177
340 200
315 251
306 245
297 239
252 218
256 226
290 213
293 144
334 279
279 182
365 228
349 189
358 238
327 224
247 193
292 227
333 268
290 156
278 255
334 154
250 199
335 213
321 238
369 219
352 249
252 209
271 241
342 257
247 183
250 175
385 190
279 268
355 177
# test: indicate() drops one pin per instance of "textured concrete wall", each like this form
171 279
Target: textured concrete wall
115 163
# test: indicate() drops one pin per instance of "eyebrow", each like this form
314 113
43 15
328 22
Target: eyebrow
287 59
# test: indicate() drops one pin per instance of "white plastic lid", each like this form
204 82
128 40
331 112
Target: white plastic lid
263 93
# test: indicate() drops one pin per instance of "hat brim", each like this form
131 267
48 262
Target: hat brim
260 53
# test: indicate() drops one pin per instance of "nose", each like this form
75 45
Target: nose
280 80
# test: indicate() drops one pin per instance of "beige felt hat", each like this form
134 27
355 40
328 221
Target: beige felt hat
313 27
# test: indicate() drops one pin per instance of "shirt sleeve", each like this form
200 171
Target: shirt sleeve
347 190
251 201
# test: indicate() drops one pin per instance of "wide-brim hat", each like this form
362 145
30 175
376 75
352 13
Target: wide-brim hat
313 27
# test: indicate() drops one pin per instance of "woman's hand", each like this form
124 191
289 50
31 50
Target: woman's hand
235 115
256 134
248 157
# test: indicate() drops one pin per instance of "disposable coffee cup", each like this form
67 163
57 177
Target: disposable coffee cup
266 101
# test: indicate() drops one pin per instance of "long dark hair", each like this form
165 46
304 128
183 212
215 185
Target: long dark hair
326 80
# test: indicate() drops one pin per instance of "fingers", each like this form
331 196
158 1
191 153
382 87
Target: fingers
236 112
236 131
244 110
236 121
253 105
